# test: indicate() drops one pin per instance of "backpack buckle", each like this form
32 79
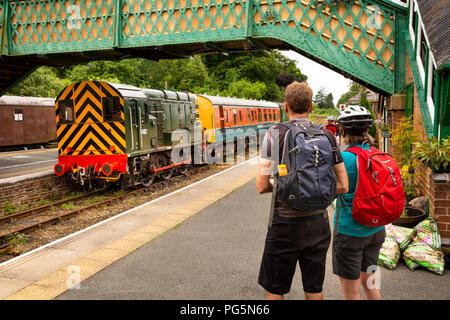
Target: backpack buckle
296 149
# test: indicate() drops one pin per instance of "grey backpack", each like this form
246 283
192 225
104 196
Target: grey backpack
308 154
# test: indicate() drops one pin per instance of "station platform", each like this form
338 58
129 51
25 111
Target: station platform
25 164
202 242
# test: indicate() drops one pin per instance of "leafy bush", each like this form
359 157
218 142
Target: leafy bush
434 154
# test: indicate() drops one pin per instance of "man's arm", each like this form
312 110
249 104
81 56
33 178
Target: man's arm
263 184
342 178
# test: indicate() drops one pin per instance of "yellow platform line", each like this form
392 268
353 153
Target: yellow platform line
70 276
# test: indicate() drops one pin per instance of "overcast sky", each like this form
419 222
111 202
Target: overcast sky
320 76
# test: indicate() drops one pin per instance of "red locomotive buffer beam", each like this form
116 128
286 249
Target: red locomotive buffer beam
171 166
105 164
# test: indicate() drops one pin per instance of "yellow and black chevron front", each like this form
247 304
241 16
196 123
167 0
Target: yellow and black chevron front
88 133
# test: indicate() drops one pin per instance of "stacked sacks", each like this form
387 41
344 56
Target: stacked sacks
425 249
421 246
397 239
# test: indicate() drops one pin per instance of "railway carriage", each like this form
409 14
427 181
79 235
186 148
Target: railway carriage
113 132
232 119
283 114
26 121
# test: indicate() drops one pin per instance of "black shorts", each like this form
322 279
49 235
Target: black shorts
286 243
351 255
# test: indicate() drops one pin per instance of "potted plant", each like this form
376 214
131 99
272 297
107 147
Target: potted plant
386 131
434 154
409 180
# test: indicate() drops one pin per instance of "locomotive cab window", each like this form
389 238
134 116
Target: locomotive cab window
143 118
65 111
18 115
111 108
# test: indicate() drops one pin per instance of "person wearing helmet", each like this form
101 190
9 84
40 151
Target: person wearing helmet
355 246
330 125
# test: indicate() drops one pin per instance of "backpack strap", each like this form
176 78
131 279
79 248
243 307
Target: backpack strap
286 149
355 150
333 142
275 180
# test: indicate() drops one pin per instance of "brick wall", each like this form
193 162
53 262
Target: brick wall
439 192
32 193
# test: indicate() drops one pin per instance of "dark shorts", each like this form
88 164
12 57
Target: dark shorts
286 243
351 255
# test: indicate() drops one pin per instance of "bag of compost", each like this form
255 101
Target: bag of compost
389 253
402 235
421 254
427 232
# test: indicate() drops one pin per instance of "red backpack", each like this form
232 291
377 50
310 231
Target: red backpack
379 196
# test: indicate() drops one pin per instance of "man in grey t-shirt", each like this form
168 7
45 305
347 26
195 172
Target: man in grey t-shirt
295 235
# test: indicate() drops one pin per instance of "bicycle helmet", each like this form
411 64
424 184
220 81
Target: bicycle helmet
355 119
330 118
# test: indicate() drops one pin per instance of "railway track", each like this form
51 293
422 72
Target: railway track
29 220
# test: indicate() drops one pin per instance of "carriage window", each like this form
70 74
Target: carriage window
143 117
133 112
111 108
65 111
18 115
240 115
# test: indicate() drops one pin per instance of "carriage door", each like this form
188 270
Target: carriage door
144 126
134 136
221 117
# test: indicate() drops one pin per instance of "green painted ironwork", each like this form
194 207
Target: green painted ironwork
420 88
355 37
443 94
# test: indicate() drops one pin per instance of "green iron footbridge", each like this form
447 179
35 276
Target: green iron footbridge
361 39
374 42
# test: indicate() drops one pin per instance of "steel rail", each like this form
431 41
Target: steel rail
57 216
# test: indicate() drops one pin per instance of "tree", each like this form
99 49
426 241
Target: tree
353 90
124 71
323 100
245 89
329 101
285 79
259 66
43 82
253 75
